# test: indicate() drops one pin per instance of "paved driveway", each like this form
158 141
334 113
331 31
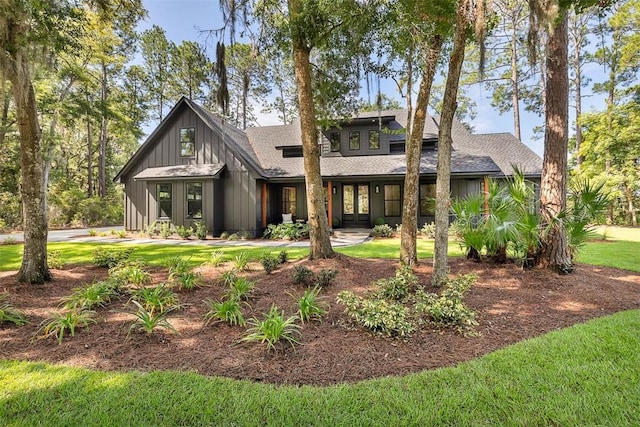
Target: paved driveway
82 235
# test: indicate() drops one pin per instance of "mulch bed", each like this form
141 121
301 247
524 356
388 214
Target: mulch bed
511 305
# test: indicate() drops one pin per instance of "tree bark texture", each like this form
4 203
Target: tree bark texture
553 186
102 153
34 268
319 237
445 142
515 83
408 235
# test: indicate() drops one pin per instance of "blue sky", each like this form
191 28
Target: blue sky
185 20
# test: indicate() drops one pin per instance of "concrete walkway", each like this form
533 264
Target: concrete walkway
341 238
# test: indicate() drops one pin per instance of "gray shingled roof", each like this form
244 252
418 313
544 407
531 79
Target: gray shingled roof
181 172
491 154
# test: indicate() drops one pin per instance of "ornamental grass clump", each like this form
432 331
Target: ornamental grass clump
155 299
131 273
98 294
273 328
149 321
62 323
241 289
10 314
227 310
309 305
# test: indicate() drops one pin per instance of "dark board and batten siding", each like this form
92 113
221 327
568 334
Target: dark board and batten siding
228 203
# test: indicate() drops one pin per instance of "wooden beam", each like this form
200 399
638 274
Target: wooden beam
330 204
264 204
486 195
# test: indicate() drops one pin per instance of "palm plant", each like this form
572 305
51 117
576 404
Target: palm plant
588 202
469 223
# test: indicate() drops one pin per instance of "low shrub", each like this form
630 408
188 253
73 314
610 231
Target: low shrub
130 273
165 230
293 231
93 232
397 288
8 313
244 235
379 221
201 230
184 232
273 328
428 230
302 275
224 235
448 308
54 259
325 277
151 229
379 315
269 262
383 230
283 256
224 311
233 236
109 258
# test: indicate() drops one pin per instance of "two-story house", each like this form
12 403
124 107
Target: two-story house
195 167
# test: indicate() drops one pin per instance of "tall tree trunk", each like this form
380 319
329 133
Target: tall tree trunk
102 151
553 186
34 268
408 235
89 159
320 243
577 65
628 194
515 84
445 142
4 119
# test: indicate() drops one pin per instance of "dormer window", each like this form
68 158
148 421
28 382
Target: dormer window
374 140
334 140
354 140
187 142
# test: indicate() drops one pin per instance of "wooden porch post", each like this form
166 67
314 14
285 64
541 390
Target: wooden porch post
330 204
486 195
264 204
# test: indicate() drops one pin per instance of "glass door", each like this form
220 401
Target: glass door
355 205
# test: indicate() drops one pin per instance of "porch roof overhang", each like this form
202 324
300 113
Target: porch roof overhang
181 172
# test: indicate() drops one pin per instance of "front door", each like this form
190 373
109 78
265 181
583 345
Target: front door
355 205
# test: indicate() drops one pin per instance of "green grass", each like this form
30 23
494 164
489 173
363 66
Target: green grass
82 253
390 249
620 250
584 375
